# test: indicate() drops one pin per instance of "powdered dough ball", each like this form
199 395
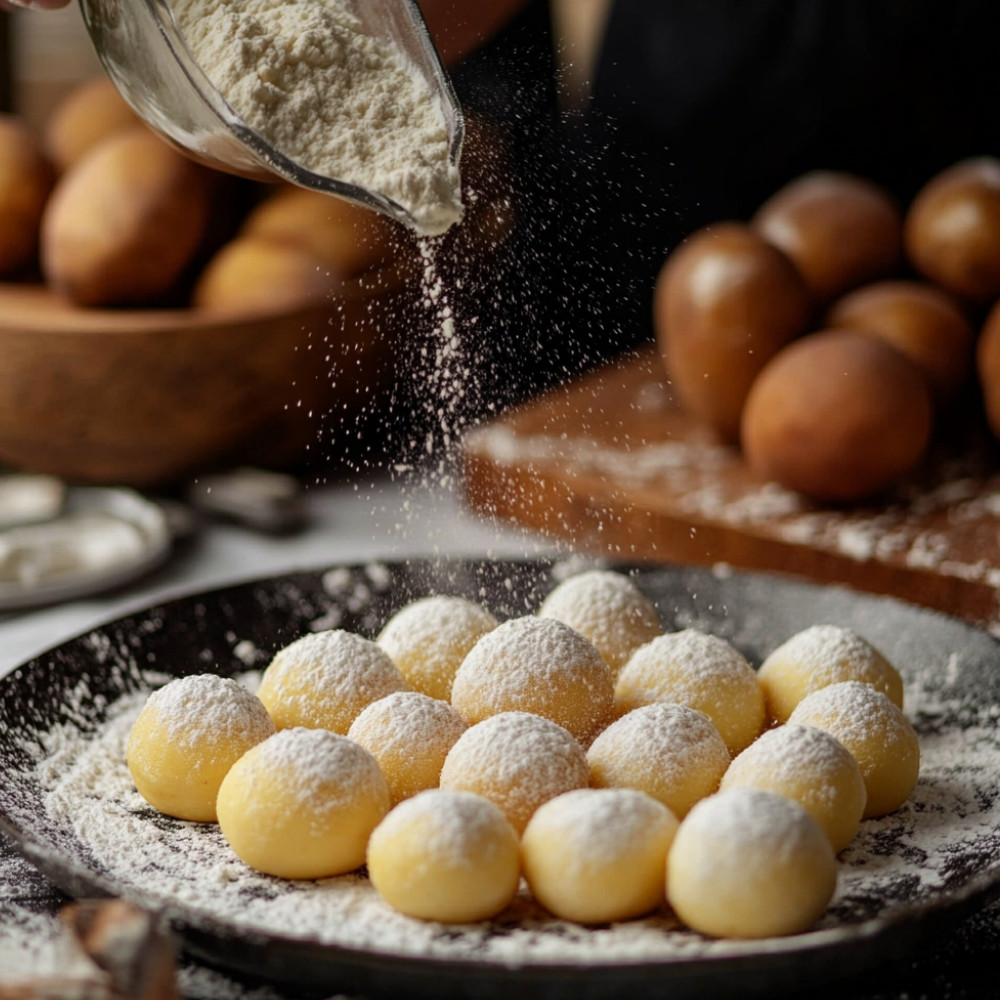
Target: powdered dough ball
445 855
749 863
303 804
187 736
875 731
409 734
429 638
516 760
323 680
609 609
701 671
597 855
536 665
813 768
672 752
818 656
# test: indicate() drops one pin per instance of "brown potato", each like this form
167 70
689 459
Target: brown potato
839 230
923 321
725 301
122 225
952 230
26 180
91 111
251 275
838 415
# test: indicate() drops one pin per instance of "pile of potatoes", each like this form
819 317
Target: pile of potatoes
827 335
108 214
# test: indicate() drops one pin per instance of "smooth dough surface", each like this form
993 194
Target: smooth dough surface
185 739
810 766
302 804
818 656
324 679
445 855
877 734
609 609
671 752
428 639
597 855
516 760
701 671
536 665
409 734
749 863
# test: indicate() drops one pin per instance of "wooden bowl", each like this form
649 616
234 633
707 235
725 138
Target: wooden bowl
146 398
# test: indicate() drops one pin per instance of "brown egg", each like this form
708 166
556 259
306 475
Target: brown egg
838 415
26 180
988 367
952 230
839 230
923 321
725 301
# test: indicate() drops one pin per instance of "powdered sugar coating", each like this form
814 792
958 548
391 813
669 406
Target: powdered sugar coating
537 665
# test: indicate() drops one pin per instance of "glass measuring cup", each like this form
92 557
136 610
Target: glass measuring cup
141 47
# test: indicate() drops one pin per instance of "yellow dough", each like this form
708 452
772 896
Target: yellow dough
813 768
187 736
609 609
302 804
323 680
822 655
537 665
877 734
671 752
429 638
516 760
409 734
598 854
749 863
701 671
445 855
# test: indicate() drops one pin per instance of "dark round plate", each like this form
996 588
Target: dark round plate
66 801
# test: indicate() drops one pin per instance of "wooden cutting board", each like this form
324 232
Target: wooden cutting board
610 464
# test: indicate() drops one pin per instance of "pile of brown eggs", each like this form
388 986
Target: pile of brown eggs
827 335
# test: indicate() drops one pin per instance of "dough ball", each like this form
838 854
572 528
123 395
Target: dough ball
701 671
536 665
672 752
445 855
877 734
822 655
324 679
749 863
185 739
429 638
608 609
302 804
516 760
813 768
597 855
409 734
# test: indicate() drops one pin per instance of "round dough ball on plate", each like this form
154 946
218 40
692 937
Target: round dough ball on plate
409 734
302 804
671 752
609 609
324 679
813 768
536 665
597 855
701 671
749 863
820 655
445 855
185 739
428 639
